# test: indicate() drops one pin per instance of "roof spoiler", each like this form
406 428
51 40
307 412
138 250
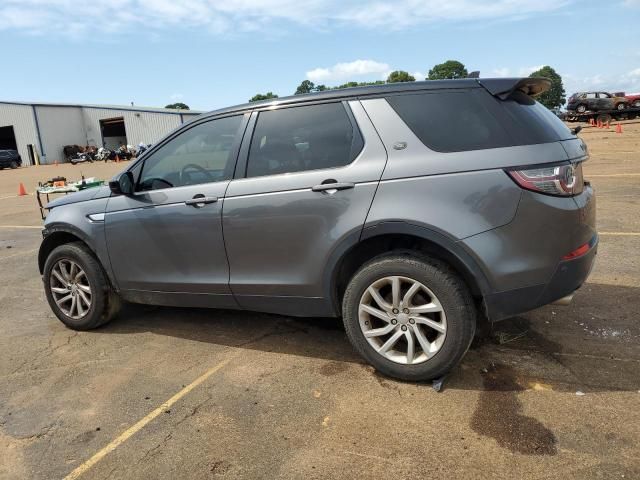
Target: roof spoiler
504 87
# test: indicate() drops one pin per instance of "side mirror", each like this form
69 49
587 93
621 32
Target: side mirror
123 184
577 130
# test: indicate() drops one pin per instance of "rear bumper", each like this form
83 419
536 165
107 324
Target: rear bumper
568 277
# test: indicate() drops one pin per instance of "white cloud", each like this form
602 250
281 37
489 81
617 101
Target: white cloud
176 96
499 72
526 71
231 16
348 71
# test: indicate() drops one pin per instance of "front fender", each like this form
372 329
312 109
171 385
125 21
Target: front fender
70 223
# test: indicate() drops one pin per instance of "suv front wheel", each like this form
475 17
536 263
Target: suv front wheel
412 318
77 289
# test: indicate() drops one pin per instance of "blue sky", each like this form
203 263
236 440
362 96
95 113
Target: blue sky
211 54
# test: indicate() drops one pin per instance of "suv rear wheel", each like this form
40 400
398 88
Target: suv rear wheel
13 164
410 317
77 289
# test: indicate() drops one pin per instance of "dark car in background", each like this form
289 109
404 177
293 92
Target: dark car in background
10 159
596 101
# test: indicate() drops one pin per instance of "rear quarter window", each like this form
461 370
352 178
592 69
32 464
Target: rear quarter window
454 121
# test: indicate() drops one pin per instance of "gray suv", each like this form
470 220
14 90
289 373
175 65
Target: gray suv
409 210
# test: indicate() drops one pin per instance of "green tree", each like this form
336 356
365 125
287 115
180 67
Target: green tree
263 96
448 69
178 106
400 76
321 88
307 86
555 96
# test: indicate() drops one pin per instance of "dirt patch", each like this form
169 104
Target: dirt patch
333 368
219 467
499 415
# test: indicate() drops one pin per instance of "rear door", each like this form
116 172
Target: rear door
165 241
306 178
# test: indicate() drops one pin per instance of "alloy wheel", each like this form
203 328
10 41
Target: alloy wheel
70 288
402 320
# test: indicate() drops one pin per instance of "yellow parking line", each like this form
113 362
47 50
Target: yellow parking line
22 226
621 234
614 175
124 436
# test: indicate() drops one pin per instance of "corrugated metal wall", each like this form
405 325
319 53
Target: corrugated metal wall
80 125
141 127
24 127
60 126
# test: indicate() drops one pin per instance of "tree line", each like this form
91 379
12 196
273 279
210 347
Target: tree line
451 69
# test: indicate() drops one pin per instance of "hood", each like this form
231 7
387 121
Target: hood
81 196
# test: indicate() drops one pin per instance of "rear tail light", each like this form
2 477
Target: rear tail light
558 180
578 252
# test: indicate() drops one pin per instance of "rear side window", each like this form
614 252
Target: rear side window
302 138
463 120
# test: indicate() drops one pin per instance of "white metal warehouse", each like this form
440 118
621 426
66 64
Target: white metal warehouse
39 131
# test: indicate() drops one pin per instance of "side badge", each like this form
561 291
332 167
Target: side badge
400 145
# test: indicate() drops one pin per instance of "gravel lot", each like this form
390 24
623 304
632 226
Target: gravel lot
176 393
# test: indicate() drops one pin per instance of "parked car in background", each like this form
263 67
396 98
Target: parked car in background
596 101
10 159
633 98
408 209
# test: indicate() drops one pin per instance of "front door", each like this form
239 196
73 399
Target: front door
165 241
310 176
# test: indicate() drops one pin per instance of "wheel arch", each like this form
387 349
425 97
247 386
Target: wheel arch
384 237
57 235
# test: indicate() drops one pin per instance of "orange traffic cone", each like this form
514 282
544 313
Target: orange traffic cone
592 122
21 190
117 158
618 128
608 124
599 124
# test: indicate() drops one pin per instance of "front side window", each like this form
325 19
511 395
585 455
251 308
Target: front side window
302 138
201 154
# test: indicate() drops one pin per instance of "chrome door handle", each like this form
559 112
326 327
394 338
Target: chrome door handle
200 201
323 187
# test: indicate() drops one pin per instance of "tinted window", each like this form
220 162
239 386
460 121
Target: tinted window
474 120
201 154
302 138
450 121
530 122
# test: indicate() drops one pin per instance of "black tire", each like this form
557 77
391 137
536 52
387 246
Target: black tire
450 290
105 303
636 104
13 165
581 108
621 106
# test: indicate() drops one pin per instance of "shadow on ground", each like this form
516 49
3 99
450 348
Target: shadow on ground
593 344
